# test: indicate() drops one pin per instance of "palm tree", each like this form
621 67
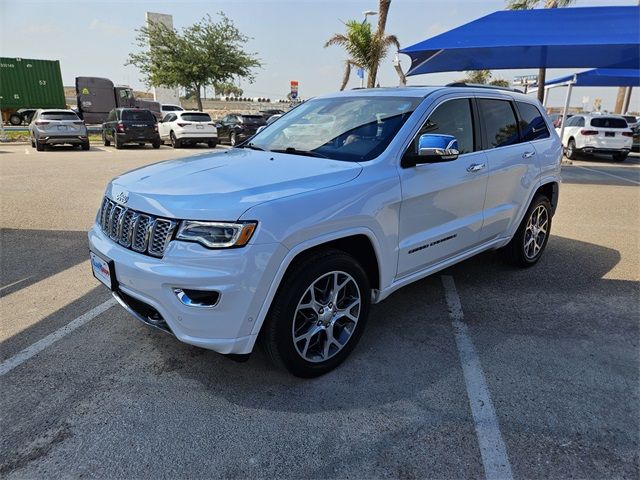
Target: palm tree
367 49
528 5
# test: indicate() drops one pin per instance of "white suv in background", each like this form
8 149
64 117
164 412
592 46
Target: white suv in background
289 237
188 128
608 134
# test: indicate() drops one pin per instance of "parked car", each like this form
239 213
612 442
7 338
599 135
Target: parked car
188 128
635 146
556 119
168 107
57 127
270 120
130 125
236 127
291 236
632 120
588 133
269 112
26 114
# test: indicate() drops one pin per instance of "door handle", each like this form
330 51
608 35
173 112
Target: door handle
528 154
475 167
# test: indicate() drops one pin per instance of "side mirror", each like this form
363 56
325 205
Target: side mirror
433 148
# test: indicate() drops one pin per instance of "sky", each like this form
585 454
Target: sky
94 38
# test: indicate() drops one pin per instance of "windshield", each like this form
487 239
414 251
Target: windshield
196 117
137 115
609 122
345 128
58 116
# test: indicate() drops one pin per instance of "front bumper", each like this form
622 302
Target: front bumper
242 276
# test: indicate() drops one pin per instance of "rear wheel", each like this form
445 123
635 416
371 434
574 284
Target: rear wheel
212 143
117 143
39 146
155 144
86 145
620 157
175 142
528 244
105 140
33 143
571 152
318 314
15 119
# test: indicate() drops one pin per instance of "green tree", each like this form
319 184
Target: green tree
484 77
227 89
365 48
204 53
528 5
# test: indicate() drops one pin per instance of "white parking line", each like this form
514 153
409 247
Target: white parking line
492 448
15 283
608 174
24 355
26 151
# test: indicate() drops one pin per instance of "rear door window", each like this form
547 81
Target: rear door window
137 116
609 122
532 124
499 121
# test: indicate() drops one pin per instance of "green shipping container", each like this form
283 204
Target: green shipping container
27 83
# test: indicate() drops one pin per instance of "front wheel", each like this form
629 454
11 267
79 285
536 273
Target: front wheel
620 157
15 119
528 244
105 140
318 314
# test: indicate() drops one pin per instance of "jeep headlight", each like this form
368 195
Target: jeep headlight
216 234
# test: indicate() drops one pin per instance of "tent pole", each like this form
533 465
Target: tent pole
627 100
567 101
546 97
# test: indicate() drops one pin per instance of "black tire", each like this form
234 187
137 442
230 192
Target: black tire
15 119
232 139
39 146
277 332
571 153
155 144
175 142
33 143
117 143
620 157
518 251
105 140
86 145
212 143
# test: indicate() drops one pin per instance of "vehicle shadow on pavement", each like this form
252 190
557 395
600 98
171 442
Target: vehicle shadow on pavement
29 256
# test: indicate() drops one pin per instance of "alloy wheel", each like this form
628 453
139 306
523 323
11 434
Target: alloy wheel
535 232
326 316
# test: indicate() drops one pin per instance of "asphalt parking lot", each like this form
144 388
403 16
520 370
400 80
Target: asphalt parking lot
480 371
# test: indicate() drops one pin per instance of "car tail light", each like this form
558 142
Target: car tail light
42 123
589 132
120 127
155 128
627 134
182 124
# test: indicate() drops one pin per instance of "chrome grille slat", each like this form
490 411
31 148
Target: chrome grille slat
135 230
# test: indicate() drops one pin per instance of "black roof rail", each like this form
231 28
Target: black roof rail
482 85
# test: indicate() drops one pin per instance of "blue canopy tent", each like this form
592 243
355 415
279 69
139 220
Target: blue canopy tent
602 37
601 77
597 77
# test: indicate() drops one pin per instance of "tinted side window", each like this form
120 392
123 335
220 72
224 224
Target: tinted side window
579 122
453 117
532 124
499 122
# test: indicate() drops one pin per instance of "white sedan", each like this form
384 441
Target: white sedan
188 128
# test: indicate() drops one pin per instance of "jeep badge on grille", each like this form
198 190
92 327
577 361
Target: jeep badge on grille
122 197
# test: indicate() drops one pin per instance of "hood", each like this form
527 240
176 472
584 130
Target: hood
223 185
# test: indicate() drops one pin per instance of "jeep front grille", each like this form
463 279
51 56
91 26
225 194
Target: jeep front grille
135 230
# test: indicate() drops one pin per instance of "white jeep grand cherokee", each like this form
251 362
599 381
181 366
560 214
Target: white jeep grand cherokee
290 237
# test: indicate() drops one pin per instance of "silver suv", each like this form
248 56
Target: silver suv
57 127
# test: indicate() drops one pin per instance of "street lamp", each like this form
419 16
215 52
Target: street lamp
366 13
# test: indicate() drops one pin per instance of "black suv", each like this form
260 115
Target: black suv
130 125
236 127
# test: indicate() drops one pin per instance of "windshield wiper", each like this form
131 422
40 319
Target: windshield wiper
251 146
308 153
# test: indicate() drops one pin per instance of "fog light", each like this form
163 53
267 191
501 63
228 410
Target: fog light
197 298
